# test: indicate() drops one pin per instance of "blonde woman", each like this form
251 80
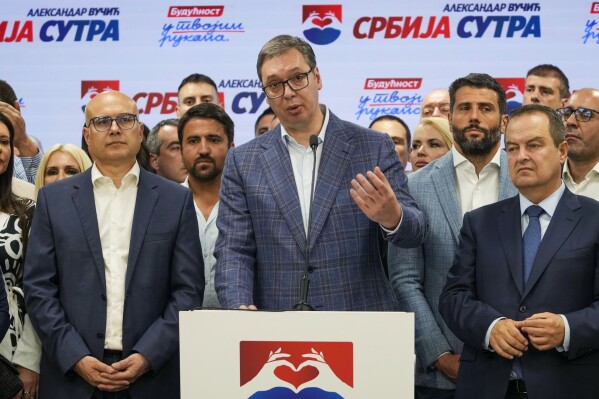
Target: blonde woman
59 162
432 139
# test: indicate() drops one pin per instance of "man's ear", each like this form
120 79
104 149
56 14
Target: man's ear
154 162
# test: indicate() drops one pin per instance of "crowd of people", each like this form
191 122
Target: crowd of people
495 249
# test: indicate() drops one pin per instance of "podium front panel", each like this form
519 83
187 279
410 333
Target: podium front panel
266 355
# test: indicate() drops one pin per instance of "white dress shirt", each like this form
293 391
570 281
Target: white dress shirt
589 187
114 208
208 235
476 191
302 161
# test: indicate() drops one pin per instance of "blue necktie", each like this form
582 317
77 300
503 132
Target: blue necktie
530 244
531 239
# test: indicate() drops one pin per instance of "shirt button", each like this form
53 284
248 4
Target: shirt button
100 335
103 297
522 309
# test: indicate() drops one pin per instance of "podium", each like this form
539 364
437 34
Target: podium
260 355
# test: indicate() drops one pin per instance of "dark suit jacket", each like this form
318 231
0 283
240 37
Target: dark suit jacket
261 246
485 282
66 288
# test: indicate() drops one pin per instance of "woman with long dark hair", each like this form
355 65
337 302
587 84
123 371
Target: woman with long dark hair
15 220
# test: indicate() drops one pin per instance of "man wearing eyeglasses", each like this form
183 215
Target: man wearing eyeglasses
264 217
114 255
581 118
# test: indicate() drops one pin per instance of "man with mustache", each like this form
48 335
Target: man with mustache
206 135
474 173
581 118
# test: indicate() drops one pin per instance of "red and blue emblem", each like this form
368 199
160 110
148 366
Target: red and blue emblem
296 370
322 23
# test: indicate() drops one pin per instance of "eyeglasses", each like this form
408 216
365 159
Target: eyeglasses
581 114
104 123
295 83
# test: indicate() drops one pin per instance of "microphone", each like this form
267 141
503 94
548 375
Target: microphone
305 282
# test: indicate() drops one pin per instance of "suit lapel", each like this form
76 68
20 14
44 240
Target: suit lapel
510 233
83 199
332 173
444 181
562 223
279 175
144 206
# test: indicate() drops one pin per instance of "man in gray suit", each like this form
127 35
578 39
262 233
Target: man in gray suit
474 173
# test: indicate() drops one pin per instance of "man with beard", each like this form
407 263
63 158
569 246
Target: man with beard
581 118
474 173
206 135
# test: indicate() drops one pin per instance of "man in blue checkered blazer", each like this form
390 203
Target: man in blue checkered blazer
263 218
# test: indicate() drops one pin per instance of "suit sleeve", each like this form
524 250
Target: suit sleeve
459 306
584 323
413 227
406 274
160 342
61 342
235 249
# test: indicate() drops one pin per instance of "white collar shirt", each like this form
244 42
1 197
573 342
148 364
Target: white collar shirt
114 209
476 191
589 187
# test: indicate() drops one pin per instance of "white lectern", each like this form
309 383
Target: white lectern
260 355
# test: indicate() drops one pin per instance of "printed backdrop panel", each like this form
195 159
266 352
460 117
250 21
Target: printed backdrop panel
374 57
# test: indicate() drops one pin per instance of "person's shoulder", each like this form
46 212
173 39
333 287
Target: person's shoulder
495 209
153 180
66 186
355 131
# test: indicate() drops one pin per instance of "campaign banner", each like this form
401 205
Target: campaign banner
374 58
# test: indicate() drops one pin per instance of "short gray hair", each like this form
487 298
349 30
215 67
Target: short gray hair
281 44
153 141
556 125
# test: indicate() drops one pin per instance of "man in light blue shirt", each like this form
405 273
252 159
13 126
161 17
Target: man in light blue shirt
206 135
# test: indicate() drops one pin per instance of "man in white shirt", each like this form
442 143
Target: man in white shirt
474 173
581 117
206 135
113 257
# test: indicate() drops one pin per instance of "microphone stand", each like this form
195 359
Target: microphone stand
303 305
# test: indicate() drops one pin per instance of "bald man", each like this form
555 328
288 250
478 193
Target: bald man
581 118
435 103
114 257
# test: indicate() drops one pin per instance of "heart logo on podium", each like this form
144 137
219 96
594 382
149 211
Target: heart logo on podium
321 22
296 377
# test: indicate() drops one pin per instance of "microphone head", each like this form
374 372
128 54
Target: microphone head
313 141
